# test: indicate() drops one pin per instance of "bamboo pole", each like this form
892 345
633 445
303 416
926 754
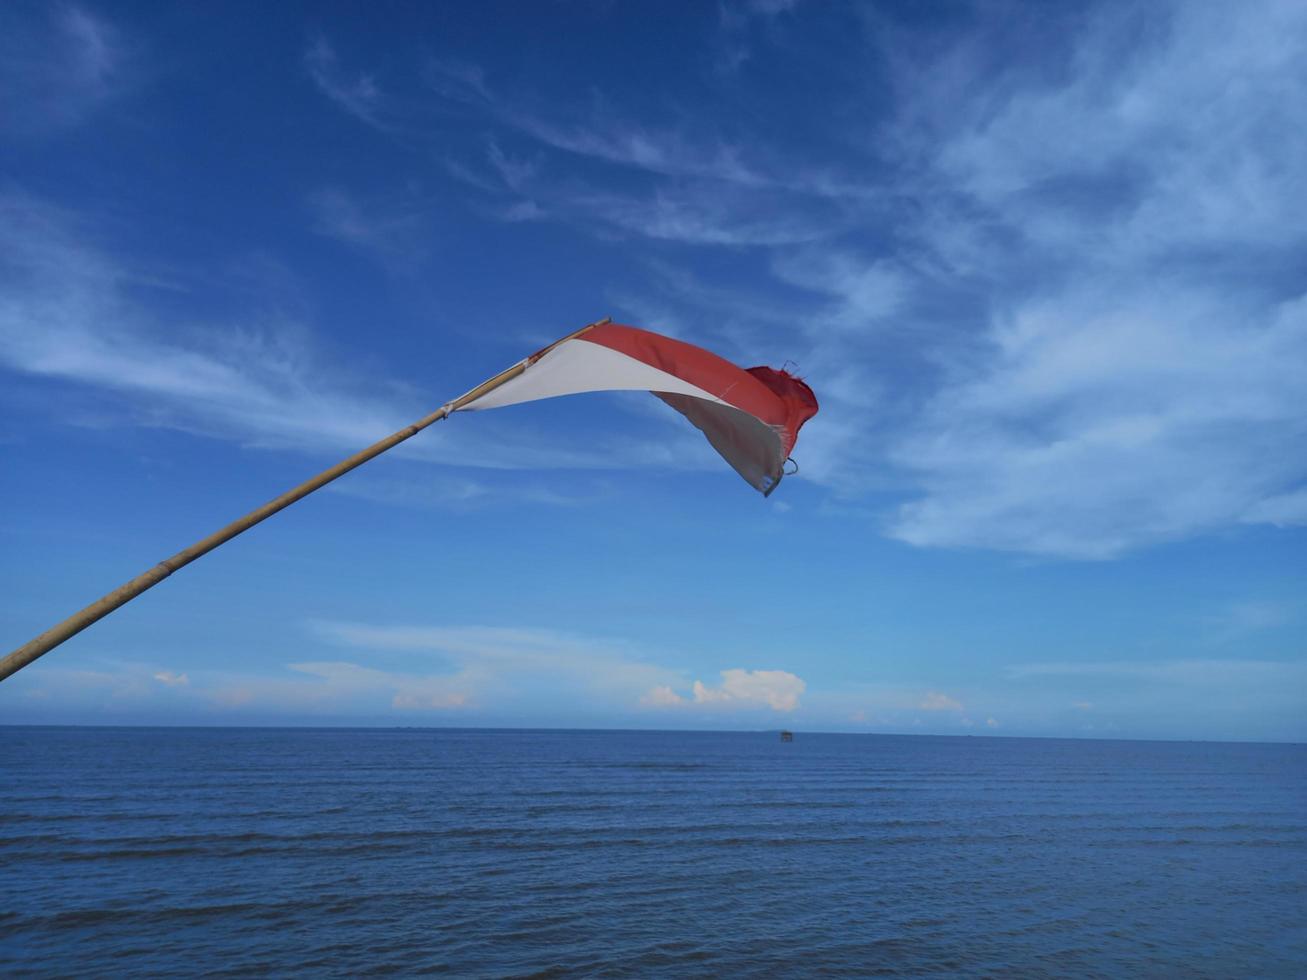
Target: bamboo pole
97 610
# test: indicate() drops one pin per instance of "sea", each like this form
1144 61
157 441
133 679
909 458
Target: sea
354 852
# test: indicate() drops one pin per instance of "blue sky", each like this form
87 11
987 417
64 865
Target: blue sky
1042 264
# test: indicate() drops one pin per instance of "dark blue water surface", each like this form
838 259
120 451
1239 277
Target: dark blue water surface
492 853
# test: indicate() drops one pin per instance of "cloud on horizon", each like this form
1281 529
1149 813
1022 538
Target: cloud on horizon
469 675
777 689
463 671
935 701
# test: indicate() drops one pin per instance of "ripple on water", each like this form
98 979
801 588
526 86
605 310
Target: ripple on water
639 854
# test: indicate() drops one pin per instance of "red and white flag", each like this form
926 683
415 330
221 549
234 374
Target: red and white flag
752 417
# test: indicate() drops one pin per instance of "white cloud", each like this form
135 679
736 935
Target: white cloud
1210 175
171 678
662 697
777 689
1102 423
935 701
1150 384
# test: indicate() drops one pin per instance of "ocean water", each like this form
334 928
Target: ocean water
132 852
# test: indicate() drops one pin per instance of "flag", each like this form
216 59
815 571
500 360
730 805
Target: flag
751 416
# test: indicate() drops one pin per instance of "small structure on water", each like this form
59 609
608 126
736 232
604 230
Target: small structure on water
787 736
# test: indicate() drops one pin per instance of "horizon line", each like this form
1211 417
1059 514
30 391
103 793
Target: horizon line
650 731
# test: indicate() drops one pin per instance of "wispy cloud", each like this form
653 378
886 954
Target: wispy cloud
1149 383
666 153
693 214
357 93
1102 423
690 151
58 64
393 230
66 313
1095 341
491 658
1073 345
864 293
70 312
1056 312
602 135
699 188
381 671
